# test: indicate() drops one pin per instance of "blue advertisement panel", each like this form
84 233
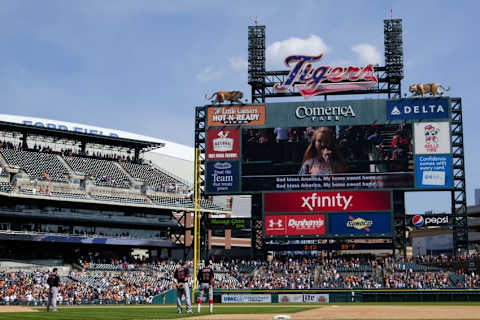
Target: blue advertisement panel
433 171
409 109
360 223
222 176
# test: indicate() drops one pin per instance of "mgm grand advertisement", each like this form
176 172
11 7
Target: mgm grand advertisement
357 144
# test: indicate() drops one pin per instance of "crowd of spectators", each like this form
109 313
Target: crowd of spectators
388 147
46 148
130 280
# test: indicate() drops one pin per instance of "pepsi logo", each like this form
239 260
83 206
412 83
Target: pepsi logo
418 221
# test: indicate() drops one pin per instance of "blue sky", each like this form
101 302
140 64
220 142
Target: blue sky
143 66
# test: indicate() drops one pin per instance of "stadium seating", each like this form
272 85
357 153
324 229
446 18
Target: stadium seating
41 166
5 187
165 190
125 197
155 178
103 172
121 281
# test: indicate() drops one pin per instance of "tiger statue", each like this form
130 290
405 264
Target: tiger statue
420 89
221 96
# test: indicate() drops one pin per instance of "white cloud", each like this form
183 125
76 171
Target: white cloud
367 53
279 50
238 64
208 74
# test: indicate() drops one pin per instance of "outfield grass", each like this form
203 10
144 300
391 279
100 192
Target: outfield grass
121 312
135 313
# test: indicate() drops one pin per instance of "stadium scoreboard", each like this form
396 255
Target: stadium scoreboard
367 149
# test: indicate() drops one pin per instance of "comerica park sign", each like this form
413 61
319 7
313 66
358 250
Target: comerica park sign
311 81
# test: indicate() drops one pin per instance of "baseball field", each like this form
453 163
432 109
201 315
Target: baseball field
453 310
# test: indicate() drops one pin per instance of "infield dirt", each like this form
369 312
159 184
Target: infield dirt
336 312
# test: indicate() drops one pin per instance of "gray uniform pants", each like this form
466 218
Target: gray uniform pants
184 292
205 289
52 299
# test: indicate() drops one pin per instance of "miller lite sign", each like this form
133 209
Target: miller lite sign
311 81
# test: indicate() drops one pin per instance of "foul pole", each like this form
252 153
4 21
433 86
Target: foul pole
196 223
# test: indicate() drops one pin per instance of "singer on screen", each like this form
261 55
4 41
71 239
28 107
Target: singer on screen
322 156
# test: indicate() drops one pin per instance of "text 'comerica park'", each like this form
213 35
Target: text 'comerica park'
306 112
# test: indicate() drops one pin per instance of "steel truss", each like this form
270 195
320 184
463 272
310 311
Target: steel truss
458 194
393 42
178 234
257 241
389 76
200 145
399 239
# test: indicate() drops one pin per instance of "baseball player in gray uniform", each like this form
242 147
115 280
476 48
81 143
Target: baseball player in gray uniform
53 282
206 281
180 279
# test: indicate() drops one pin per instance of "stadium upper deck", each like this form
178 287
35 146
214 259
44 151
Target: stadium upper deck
174 157
58 184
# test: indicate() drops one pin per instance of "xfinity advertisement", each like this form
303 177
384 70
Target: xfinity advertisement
340 201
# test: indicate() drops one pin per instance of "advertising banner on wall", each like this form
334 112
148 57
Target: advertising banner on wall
223 144
294 224
290 298
328 201
410 109
246 298
433 171
360 224
432 137
303 298
222 176
221 116
316 298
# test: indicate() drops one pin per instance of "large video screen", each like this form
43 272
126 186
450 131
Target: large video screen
329 145
328 157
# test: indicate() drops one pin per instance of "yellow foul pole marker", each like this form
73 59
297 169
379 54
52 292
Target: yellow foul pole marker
196 223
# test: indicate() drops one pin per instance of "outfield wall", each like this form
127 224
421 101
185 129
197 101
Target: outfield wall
332 296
